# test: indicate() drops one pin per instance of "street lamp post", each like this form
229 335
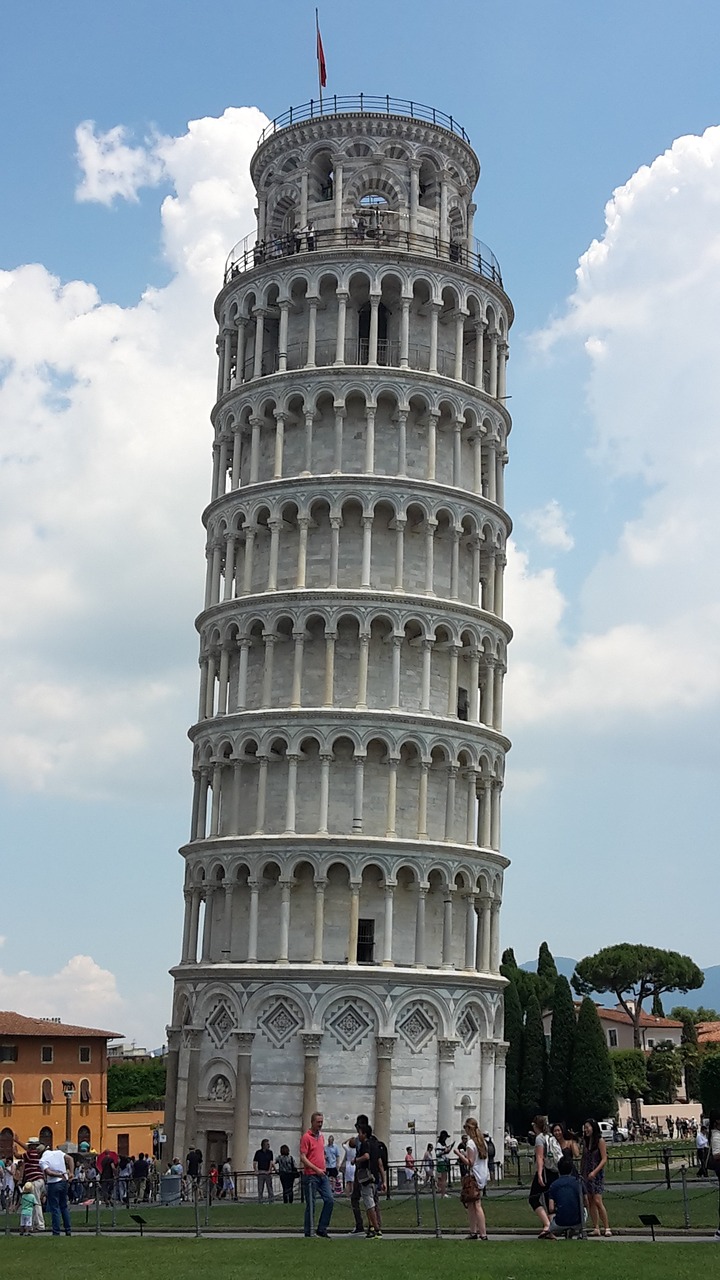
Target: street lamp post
68 1090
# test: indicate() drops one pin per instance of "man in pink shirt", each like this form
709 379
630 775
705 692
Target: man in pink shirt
315 1179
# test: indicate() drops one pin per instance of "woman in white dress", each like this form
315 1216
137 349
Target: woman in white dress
474 1159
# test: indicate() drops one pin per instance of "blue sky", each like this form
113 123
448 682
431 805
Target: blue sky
104 460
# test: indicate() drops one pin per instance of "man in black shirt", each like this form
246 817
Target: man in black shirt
369 1174
193 1165
264 1166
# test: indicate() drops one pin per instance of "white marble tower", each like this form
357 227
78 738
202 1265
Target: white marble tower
343 875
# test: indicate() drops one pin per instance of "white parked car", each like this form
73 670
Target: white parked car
612 1133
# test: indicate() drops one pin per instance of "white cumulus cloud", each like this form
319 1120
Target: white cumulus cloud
81 992
549 524
646 310
111 166
104 470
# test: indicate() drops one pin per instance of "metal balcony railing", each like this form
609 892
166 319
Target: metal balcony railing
251 252
362 104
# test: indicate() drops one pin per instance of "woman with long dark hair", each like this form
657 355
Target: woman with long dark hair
593 1160
568 1143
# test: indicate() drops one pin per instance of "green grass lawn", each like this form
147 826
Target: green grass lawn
91 1259
503 1210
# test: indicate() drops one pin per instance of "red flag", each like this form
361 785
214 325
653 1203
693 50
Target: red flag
322 68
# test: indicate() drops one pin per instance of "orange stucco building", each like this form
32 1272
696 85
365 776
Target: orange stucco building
39 1059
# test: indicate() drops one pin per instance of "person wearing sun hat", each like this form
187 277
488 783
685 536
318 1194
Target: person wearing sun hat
33 1174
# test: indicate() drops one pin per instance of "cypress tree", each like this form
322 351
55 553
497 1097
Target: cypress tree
592 1084
657 1007
547 975
532 1075
562 1044
513 1032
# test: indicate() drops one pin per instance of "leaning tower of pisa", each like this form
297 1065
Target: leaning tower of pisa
343 876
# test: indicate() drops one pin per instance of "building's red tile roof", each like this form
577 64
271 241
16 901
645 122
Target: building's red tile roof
708 1032
646 1019
16 1024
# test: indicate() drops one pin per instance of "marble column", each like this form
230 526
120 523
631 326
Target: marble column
383 1087
319 928
187 1086
354 923
446 1086
447 928
487 1087
240 1155
498 1123
311 1046
171 1083
495 935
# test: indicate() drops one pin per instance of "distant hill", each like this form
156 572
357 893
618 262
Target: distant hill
707 995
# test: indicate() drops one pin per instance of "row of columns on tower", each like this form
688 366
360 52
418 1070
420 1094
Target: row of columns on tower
481 925
183 1070
226 578
484 477
225 803
485 677
465 363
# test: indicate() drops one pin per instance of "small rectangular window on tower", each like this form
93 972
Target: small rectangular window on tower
462 704
366 942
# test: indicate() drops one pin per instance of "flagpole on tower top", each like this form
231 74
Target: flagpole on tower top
322 69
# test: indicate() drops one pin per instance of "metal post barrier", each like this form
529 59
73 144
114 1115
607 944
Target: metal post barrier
97 1209
667 1156
686 1201
417 1198
196 1202
581 1198
208 1193
7 1213
433 1189
115 1193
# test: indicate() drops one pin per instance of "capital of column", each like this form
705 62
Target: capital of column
174 1037
385 1047
244 1042
446 1051
312 1040
501 1053
487 1053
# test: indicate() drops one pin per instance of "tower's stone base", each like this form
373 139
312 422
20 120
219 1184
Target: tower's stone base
254 1050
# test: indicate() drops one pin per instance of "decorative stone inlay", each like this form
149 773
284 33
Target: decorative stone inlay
221 1023
417 1028
281 1021
220 1089
349 1025
468 1029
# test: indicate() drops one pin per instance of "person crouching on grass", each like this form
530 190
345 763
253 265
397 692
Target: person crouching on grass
474 1160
